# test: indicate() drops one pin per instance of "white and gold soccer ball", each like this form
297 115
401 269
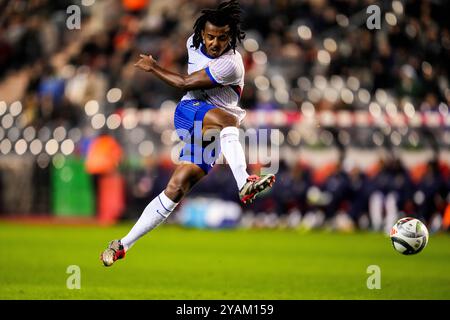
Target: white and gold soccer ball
409 236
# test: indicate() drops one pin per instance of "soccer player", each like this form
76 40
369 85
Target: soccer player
213 87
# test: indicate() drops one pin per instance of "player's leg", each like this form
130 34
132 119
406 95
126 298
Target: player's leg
227 124
185 176
189 172
230 146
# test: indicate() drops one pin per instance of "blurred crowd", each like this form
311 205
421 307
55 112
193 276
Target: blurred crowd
289 44
300 55
347 198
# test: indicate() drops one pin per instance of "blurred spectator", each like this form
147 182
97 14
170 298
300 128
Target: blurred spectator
359 194
337 187
431 192
391 190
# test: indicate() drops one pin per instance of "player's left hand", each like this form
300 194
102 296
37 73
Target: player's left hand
145 63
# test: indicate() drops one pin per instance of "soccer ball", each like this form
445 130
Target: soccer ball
409 236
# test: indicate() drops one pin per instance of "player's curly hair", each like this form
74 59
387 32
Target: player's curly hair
227 13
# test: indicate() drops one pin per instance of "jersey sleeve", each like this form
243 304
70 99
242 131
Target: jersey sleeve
224 71
190 41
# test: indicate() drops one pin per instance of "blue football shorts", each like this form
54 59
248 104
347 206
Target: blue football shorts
188 120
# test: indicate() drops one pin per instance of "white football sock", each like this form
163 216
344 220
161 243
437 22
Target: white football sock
234 154
154 214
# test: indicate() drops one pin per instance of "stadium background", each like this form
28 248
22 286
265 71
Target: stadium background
363 117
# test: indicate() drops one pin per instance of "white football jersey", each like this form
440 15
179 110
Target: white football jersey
227 70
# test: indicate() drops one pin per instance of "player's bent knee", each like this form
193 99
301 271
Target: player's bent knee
230 121
220 119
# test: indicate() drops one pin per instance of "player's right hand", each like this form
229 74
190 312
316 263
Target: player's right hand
145 63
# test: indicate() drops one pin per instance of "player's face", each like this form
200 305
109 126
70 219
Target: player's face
216 39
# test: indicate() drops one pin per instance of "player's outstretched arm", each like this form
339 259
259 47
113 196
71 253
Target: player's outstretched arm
196 80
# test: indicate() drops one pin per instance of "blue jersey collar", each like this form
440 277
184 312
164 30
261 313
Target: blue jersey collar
203 50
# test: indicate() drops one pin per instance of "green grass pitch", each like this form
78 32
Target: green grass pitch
176 263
